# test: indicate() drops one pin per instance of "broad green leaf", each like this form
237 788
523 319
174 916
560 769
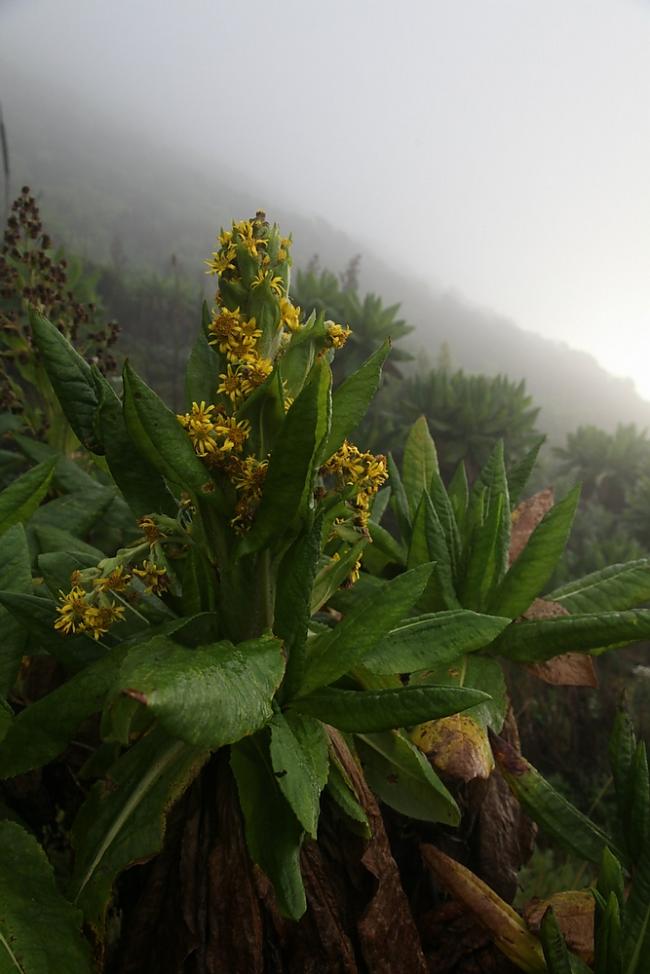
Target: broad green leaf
76 513
384 542
429 544
122 821
293 608
332 575
208 696
398 499
554 945
43 730
447 518
291 472
273 833
635 934
370 711
20 499
639 818
15 577
536 640
351 400
57 566
40 931
622 745
494 481
50 538
519 475
535 565
71 378
158 435
616 587
299 755
338 651
341 790
68 476
403 778
203 368
140 481
431 640
556 816
419 463
483 563
608 939
458 493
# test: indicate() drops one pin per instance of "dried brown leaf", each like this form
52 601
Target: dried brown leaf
525 518
574 912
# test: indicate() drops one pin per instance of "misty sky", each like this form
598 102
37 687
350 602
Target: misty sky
497 147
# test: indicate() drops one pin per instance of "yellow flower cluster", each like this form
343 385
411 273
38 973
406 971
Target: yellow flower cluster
91 610
214 434
337 334
363 471
248 477
78 614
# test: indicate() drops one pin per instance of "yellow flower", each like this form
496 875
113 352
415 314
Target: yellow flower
276 284
222 323
234 383
257 369
249 476
155 579
99 618
71 611
200 427
290 314
233 433
338 335
116 581
237 347
222 261
150 529
245 230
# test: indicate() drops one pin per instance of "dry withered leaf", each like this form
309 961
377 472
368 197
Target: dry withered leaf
568 669
574 912
508 929
457 746
525 518
388 936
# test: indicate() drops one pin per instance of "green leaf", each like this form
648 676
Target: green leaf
419 464
370 711
458 493
50 538
37 616
338 651
616 587
43 730
208 696
351 400
536 640
635 935
608 938
203 368
71 378
293 607
622 745
553 813
139 480
76 513
15 577
398 498
332 575
20 499
341 790
273 833
299 756
159 436
384 542
429 544
531 571
56 568
123 819
484 559
40 932
403 778
292 468
554 945
479 673
431 640
519 475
